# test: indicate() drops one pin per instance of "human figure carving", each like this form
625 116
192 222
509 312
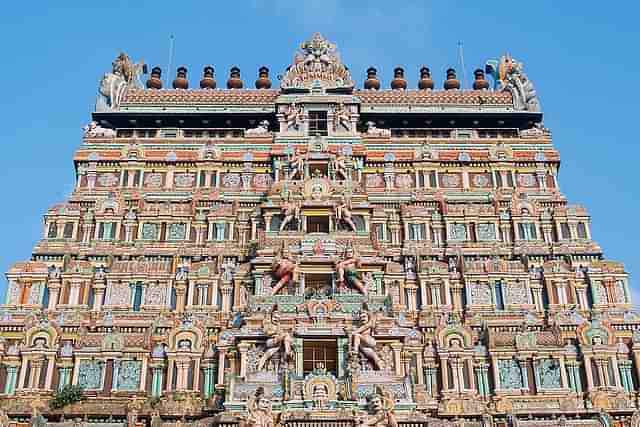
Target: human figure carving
342 117
362 340
347 271
293 116
380 406
290 211
343 213
259 411
279 341
283 269
339 165
296 165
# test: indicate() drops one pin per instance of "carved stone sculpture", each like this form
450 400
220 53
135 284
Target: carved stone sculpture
283 269
124 72
339 165
259 411
290 212
380 410
261 129
342 118
343 213
293 117
372 130
362 340
296 165
347 271
279 341
510 77
94 130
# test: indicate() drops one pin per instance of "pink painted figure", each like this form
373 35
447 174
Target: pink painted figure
283 268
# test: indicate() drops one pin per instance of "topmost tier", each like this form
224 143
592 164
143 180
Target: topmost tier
318 70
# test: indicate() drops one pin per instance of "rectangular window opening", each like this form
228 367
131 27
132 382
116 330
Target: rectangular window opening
320 354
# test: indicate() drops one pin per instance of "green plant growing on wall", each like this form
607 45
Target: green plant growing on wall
67 395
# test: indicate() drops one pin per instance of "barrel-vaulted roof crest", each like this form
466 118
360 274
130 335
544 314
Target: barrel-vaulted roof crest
317 63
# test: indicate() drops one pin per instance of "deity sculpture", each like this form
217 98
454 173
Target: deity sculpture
290 211
380 410
259 411
375 131
124 72
342 117
339 165
294 116
320 396
94 130
509 76
362 340
296 165
343 213
279 341
261 129
347 271
283 269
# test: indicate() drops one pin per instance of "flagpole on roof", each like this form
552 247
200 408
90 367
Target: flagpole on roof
166 75
464 72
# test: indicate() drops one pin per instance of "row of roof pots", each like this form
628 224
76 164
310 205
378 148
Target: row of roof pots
208 81
263 82
425 82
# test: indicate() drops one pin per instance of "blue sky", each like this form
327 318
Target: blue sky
581 56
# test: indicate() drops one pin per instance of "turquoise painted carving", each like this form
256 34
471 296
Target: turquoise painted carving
510 375
90 374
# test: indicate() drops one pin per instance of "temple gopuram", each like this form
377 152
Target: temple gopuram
318 255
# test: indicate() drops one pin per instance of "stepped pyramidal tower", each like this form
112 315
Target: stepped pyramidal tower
318 255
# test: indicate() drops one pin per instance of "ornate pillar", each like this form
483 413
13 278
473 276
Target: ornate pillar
12 376
181 294
54 286
222 351
243 347
589 371
227 290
